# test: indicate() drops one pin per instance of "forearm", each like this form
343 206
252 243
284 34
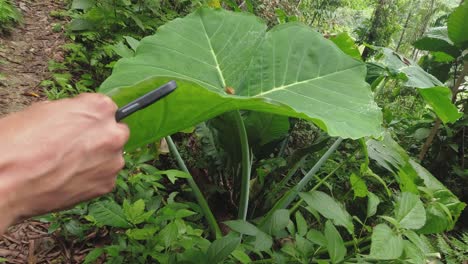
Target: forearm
7 210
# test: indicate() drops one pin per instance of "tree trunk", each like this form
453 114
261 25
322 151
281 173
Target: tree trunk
425 22
405 27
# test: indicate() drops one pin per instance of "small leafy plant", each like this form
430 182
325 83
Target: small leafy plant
9 16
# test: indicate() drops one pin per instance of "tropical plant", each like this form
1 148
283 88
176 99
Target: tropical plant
226 63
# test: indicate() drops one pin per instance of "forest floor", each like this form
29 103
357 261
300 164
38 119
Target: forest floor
24 56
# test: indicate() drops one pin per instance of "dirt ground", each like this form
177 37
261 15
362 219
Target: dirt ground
24 55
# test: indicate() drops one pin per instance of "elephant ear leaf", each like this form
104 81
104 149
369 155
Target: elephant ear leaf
223 61
457 30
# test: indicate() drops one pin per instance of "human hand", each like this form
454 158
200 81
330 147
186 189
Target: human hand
57 154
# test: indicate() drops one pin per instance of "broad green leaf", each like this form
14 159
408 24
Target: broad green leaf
437 39
410 212
385 243
169 234
108 213
241 256
135 213
347 45
263 128
92 256
432 89
263 241
133 210
317 237
457 30
372 204
335 244
305 246
420 241
122 50
391 220
301 224
173 175
387 153
329 208
412 254
440 99
243 227
132 42
358 185
277 222
182 213
408 179
437 221
290 70
222 248
74 227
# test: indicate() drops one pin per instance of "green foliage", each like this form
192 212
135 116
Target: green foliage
310 200
386 244
214 69
456 23
329 208
431 89
9 16
454 249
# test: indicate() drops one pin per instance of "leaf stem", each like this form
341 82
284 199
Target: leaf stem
246 168
215 230
322 181
289 196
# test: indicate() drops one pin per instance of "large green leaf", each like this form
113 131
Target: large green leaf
437 39
433 91
277 222
335 244
290 70
386 244
372 204
457 29
347 45
329 208
410 211
108 213
439 98
222 248
243 227
263 128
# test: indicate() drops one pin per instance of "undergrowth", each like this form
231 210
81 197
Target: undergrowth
9 16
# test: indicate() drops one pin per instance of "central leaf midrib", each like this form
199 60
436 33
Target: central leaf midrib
218 68
279 88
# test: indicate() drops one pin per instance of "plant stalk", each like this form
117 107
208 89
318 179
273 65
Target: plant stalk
215 230
289 196
322 181
246 168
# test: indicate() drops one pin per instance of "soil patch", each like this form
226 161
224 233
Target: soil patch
24 55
